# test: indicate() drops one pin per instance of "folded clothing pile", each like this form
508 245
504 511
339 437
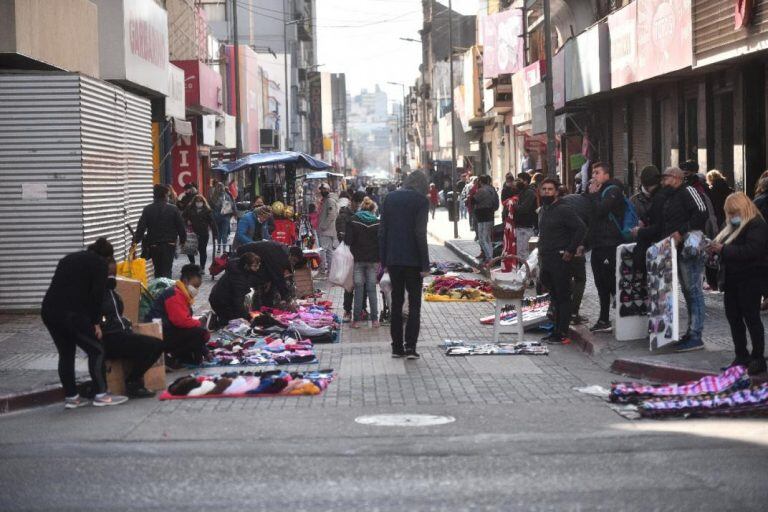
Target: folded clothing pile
229 347
457 289
526 348
249 384
439 268
313 321
726 394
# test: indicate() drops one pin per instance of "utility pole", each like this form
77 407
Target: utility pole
287 121
455 203
236 48
550 108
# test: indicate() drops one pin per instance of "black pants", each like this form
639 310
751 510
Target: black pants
710 274
162 259
579 280
604 274
186 345
556 276
228 310
69 332
405 279
141 350
742 306
202 250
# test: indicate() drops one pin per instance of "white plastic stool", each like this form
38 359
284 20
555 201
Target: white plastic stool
504 329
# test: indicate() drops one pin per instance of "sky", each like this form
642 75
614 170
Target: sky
362 39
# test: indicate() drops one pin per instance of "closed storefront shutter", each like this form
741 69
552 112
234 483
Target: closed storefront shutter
642 154
714 21
619 140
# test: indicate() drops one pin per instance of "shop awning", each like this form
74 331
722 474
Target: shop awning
322 175
276 158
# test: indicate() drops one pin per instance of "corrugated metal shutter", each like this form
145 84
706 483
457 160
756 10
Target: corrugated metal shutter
618 139
138 153
39 145
642 153
713 24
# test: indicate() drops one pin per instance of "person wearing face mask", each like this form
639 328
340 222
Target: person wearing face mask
561 233
743 246
184 335
227 298
121 342
199 217
326 227
71 311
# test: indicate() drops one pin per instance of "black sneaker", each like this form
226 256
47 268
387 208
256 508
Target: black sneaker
552 337
578 320
398 354
756 367
412 354
138 391
601 326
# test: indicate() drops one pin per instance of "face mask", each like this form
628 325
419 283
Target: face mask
736 221
199 206
111 283
193 291
547 200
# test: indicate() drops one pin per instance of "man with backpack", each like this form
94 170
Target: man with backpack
610 207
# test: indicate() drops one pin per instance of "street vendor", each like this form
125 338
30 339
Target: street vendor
278 262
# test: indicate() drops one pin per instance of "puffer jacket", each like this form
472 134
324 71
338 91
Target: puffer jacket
362 237
229 292
745 259
607 202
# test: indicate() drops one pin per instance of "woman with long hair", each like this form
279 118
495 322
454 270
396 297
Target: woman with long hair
743 246
362 237
199 217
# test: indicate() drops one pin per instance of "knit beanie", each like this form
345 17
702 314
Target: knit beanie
650 176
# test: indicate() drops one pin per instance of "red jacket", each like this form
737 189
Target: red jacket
178 308
285 231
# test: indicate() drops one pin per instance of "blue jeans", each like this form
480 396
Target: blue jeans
691 273
223 227
365 284
484 232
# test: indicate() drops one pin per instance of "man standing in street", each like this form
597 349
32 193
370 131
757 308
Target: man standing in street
604 237
404 252
525 215
162 224
486 202
326 228
561 232
582 206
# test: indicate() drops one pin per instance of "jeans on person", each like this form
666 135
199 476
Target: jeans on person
405 279
141 350
328 244
484 237
462 210
162 258
691 273
579 280
523 237
223 227
202 250
742 306
365 285
604 275
69 332
556 276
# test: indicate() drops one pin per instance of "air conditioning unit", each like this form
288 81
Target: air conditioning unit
268 139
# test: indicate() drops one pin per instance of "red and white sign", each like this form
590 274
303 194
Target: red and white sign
502 43
185 161
622 27
203 86
663 37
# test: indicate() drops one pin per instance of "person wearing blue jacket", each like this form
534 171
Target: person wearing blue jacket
404 252
251 226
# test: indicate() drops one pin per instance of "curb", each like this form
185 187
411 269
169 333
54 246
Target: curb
38 397
583 339
656 371
463 256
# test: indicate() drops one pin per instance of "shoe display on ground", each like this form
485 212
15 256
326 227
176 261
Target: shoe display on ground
756 367
689 345
601 326
412 354
108 399
76 402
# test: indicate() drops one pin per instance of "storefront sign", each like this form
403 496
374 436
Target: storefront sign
502 43
587 63
315 114
203 86
185 161
521 91
226 134
539 108
622 27
250 95
558 80
133 43
663 37
174 102
208 130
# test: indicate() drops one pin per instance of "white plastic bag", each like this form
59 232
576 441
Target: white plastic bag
385 283
342 268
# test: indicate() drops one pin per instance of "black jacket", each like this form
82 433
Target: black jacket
274 263
582 206
403 230
162 223
642 203
761 201
607 210
745 259
345 215
112 320
525 212
486 202
560 229
654 219
363 239
684 211
200 220
228 294
718 193
77 287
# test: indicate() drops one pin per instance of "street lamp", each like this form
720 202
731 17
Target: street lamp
403 147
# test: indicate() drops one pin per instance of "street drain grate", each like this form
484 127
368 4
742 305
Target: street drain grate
404 420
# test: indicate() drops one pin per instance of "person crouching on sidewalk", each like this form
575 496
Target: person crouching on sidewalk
185 337
743 246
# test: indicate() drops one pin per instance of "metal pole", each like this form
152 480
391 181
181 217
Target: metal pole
236 48
405 127
287 121
550 108
453 127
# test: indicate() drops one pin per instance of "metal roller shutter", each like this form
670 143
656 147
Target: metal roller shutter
642 142
138 153
619 140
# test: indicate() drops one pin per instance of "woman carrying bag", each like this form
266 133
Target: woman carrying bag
199 218
743 249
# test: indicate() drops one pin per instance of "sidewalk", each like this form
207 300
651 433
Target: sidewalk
631 358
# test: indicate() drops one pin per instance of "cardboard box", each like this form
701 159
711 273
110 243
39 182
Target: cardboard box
302 281
130 291
117 369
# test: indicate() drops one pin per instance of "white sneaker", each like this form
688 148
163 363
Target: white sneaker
75 401
108 399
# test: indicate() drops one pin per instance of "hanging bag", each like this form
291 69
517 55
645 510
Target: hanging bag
133 267
342 268
190 246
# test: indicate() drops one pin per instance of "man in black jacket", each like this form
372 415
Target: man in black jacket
227 299
525 215
162 224
582 206
277 264
561 232
605 236
486 202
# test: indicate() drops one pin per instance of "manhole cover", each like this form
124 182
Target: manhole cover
404 420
